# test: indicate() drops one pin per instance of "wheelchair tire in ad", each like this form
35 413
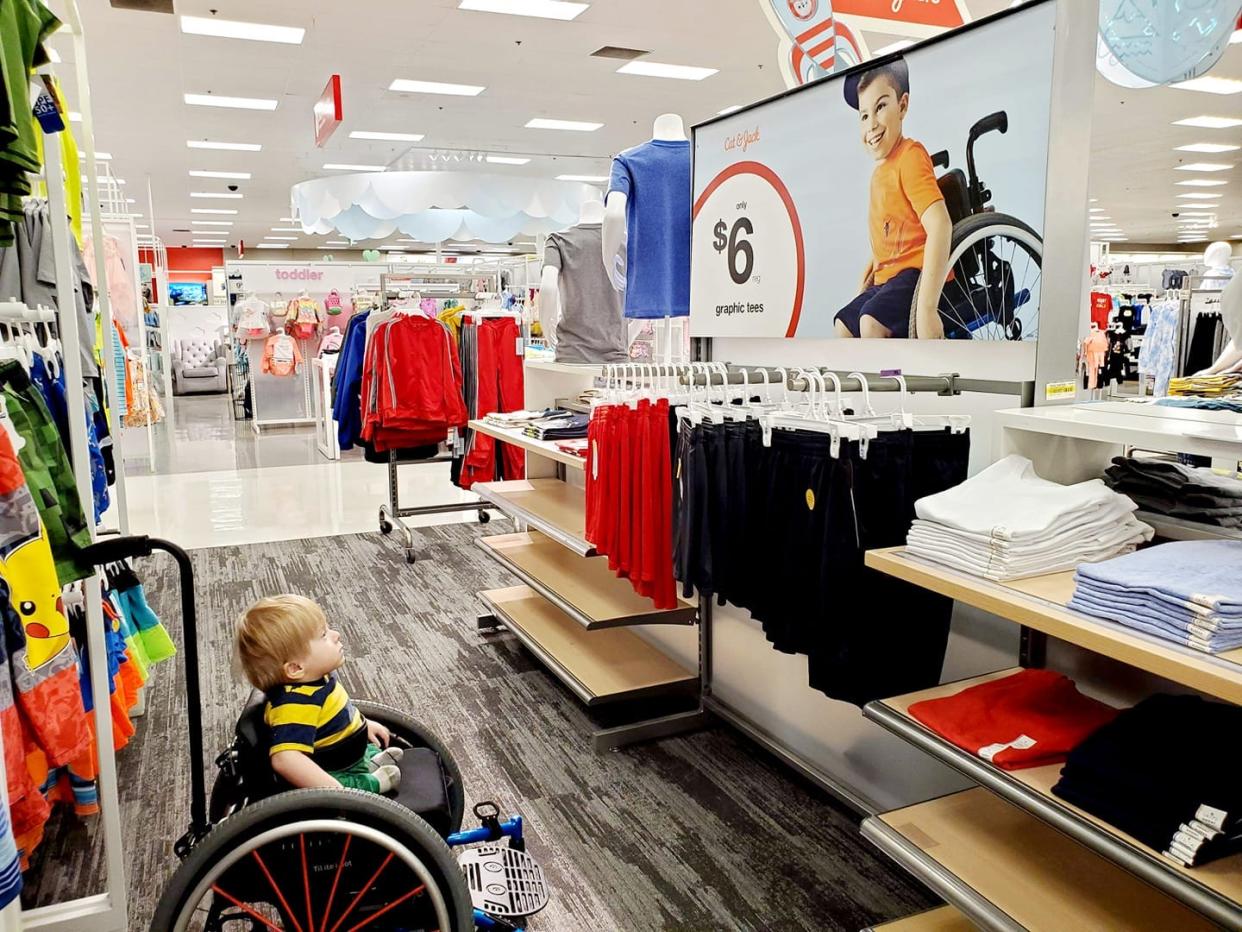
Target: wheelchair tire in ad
996 264
391 861
419 735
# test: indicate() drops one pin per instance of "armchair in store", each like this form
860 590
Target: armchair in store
198 366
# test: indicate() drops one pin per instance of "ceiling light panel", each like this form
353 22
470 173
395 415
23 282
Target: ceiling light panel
386 137
1203 167
225 146
589 179
271 245
345 167
577 126
287 230
232 29
406 86
1208 147
231 103
1201 195
289 238
1209 122
211 210
218 195
543 9
1203 182
506 160
653 69
234 176
212 223
1210 84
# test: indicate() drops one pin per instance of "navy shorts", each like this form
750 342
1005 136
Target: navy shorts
890 304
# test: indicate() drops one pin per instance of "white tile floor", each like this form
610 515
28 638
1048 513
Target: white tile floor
246 490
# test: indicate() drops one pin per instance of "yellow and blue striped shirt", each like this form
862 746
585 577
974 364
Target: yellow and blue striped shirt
317 719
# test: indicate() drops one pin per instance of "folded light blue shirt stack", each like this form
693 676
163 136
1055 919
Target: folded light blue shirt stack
1187 591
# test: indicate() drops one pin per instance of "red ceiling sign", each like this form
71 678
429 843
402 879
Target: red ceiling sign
328 112
939 14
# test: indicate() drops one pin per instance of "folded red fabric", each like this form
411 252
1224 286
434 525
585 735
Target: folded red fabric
1029 719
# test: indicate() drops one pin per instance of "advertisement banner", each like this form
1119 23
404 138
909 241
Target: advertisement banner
822 212
905 17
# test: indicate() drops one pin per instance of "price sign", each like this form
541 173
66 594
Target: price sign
748 267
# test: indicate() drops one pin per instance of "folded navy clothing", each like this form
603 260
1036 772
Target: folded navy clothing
1159 767
1206 572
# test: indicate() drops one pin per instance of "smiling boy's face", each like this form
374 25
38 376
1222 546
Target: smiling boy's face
881 109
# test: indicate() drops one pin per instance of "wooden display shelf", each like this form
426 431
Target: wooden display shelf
941 919
1039 602
1006 870
599 666
582 587
529 444
554 508
1214 889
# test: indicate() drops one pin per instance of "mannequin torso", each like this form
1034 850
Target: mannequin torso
550 279
668 127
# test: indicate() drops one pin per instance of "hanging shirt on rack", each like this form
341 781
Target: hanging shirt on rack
24 26
347 382
41 709
252 319
281 356
1157 355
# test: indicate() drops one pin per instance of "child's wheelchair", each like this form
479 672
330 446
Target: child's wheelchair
263 856
994 259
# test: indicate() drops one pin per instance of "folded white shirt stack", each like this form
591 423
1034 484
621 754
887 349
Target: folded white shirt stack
1007 522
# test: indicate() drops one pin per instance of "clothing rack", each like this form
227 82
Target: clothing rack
391 512
105 911
1031 643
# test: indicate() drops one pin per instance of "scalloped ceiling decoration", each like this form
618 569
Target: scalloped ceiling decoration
438 206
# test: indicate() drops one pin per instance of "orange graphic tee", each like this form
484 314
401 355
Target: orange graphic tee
903 186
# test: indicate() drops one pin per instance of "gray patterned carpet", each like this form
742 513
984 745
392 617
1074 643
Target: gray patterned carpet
704 832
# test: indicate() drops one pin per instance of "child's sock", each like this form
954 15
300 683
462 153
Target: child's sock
388 777
390 755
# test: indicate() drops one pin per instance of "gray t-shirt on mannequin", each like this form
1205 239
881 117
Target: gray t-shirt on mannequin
592 326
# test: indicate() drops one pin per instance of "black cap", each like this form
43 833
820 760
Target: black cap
897 69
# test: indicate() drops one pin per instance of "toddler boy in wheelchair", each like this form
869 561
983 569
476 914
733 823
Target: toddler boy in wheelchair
909 224
319 739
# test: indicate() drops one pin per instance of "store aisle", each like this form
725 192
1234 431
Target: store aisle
250 506
703 832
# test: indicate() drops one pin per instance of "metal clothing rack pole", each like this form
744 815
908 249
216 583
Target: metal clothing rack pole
1032 643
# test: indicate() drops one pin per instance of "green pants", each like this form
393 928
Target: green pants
358 776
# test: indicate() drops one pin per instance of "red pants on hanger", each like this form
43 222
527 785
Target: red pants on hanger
501 388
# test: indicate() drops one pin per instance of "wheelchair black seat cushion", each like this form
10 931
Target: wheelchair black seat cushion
423 789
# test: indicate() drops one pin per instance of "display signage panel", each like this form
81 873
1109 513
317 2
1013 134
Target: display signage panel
328 111
821 212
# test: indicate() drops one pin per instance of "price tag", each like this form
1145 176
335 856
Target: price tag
748 267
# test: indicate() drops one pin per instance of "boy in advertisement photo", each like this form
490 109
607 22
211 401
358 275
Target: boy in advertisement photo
909 225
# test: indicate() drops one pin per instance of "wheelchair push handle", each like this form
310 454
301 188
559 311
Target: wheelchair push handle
997 122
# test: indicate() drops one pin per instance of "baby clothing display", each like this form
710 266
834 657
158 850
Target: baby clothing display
1185 591
281 355
302 318
252 319
1006 523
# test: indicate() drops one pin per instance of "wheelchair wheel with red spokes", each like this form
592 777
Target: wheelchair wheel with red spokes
318 861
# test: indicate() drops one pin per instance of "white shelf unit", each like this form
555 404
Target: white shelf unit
963 846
